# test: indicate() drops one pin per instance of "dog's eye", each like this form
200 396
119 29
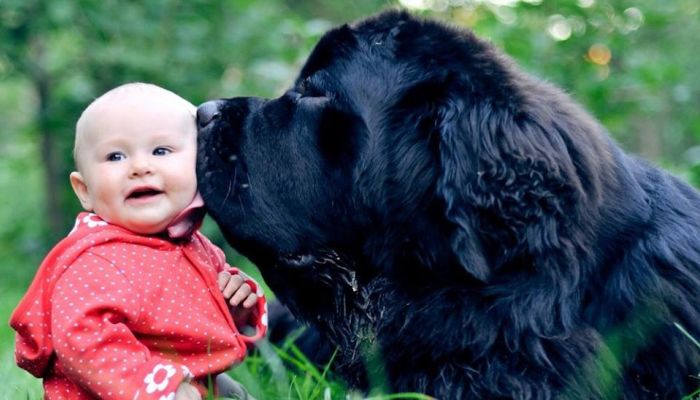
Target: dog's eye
311 91
305 88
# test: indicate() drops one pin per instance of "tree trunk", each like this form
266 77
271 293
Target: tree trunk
56 221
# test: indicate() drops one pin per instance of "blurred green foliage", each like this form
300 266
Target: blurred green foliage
631 63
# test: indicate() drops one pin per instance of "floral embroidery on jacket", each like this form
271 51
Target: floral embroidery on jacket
156 381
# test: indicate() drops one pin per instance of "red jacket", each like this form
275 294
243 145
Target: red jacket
116 315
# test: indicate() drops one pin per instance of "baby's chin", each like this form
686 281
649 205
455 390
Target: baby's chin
146 227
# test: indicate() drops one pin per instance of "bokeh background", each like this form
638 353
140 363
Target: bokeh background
632 63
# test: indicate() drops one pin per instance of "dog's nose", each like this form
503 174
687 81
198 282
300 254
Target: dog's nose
207 113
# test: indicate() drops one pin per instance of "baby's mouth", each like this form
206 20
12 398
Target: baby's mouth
143 193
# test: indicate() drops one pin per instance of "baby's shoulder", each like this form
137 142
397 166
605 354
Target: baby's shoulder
127 258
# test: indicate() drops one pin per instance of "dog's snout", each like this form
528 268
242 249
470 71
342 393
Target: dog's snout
207 113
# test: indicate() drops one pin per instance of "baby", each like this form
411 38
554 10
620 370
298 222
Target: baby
135 303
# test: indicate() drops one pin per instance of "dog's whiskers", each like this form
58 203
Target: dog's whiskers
231 185
240 203
228 192
244 186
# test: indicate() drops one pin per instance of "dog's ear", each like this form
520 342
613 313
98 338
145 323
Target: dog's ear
512 181
457 171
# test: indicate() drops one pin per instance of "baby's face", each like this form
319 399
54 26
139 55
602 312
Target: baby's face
137 157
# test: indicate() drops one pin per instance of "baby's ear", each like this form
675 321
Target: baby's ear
81 190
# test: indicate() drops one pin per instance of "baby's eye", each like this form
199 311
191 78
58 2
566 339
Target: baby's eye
115 156
161 151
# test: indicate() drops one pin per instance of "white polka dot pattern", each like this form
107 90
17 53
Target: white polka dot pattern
125 313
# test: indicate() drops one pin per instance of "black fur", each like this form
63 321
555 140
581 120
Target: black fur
415 192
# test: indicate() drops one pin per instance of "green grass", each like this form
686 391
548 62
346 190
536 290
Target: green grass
696 394
286 373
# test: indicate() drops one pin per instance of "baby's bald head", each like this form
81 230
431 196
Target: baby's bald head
120 100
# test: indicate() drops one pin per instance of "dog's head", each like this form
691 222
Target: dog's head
403 141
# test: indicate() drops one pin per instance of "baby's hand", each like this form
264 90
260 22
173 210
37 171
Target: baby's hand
187 392
236 291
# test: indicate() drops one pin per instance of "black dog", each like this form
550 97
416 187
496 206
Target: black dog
415 192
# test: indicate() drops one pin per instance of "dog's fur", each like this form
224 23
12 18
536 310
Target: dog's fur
416 193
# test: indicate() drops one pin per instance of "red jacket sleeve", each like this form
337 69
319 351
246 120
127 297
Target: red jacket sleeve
92 306
259 318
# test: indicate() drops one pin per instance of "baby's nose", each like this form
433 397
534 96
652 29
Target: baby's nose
140 167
